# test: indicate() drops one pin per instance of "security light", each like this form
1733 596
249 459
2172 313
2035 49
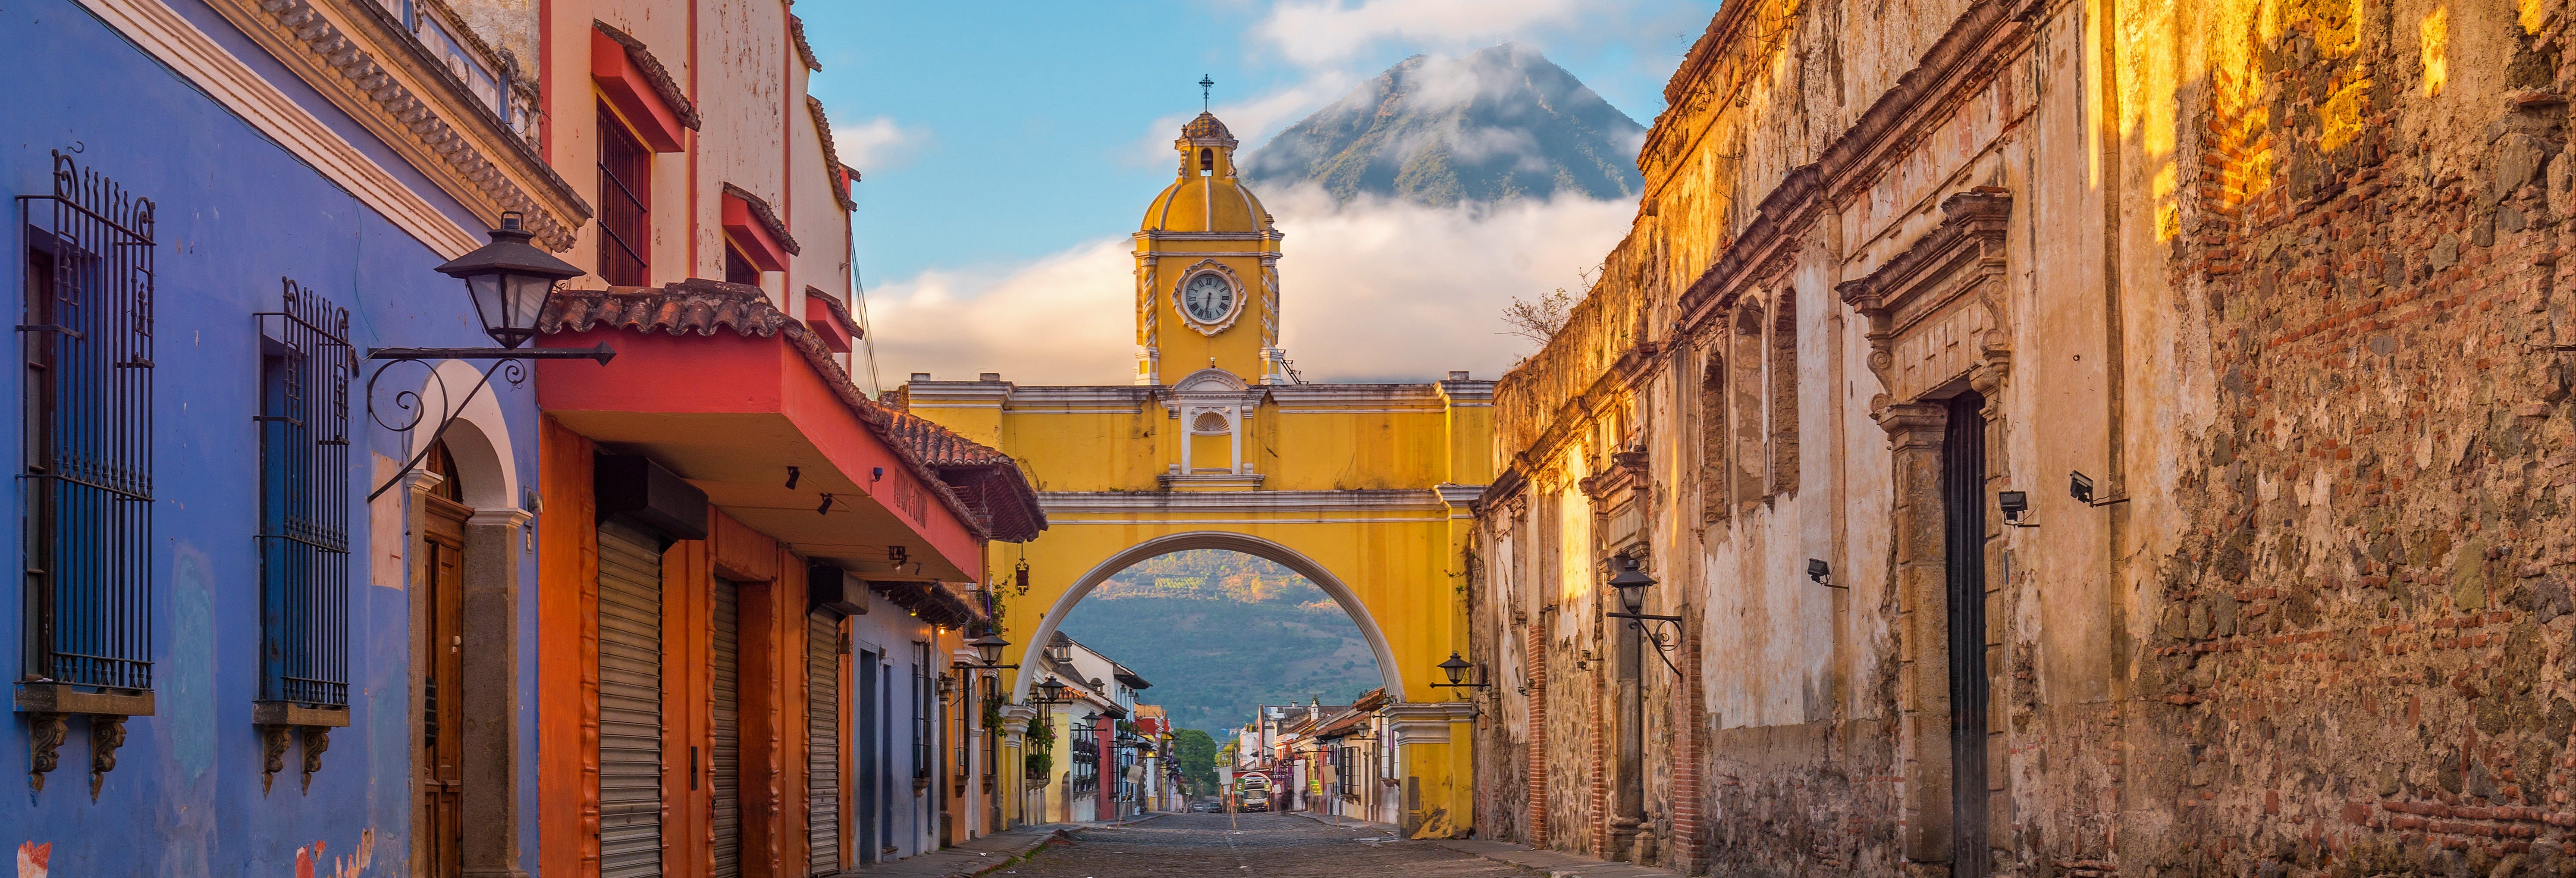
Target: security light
1819 571
2080 487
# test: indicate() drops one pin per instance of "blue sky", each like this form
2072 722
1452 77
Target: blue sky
1008 148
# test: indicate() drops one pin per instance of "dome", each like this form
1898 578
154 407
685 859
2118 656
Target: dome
1206 127
1207 204
1206 196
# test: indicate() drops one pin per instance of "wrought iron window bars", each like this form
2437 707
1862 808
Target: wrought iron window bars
85 340
306 367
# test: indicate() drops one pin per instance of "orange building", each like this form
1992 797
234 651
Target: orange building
755 583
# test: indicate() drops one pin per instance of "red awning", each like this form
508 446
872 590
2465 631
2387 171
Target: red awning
728 392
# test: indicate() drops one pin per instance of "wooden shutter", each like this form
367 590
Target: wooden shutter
725 773
630 702
823 742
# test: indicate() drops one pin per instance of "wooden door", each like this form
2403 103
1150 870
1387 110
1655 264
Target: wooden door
442 695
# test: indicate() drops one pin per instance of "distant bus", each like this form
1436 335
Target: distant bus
1252 793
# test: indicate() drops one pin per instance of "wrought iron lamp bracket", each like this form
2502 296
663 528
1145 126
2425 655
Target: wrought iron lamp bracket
507 362
1663 643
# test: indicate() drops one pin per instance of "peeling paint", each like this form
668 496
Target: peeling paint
34 860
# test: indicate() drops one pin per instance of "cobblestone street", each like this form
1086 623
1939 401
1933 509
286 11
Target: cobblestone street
1265 845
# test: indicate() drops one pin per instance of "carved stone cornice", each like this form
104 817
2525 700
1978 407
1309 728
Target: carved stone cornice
1766 248
371 67
1962 60
1943 293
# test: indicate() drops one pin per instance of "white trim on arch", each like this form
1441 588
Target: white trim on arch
1388 671
479 441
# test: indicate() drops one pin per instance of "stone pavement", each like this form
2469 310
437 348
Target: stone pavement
1252 846
1556 864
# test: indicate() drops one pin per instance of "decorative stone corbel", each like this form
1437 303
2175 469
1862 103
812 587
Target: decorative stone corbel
316 740
273 741
283 723
45 734
49 707
106 733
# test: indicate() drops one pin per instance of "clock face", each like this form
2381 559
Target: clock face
1207 298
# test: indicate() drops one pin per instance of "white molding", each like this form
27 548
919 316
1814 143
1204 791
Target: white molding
1240 502
163 34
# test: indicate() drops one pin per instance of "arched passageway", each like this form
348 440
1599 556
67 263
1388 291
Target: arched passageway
1389 671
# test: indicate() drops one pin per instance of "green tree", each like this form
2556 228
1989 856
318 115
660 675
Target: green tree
1198 759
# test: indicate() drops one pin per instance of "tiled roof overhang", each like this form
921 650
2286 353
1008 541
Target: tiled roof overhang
932 602
990 481
713 381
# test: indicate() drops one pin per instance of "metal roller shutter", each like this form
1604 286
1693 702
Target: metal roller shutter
823 742
630 702
725 775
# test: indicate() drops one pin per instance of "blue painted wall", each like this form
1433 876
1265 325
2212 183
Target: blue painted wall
235 213
892 634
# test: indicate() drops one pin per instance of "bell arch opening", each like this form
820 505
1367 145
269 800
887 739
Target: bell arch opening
1389 672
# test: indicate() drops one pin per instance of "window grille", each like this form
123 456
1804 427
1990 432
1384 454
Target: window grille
921 695
625 208
305 367
86 349
1086 760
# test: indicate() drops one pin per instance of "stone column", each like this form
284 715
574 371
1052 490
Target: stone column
489 607
1915 438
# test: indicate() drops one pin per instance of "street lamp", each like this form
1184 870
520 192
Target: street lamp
989 648
1053 691
1631 584
1456 669
510 281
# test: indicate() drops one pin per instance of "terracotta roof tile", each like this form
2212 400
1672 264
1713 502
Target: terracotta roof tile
831 153
703 307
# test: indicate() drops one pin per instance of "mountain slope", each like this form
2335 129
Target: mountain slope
1218 633
1500 124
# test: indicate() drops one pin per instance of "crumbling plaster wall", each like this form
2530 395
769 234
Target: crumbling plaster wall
2359 662
2286 313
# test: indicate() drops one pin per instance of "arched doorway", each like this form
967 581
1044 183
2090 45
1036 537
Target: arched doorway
462 509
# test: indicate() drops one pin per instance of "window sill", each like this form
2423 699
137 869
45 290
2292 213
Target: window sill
289 713
68 698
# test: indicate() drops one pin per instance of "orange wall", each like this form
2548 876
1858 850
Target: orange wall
567 657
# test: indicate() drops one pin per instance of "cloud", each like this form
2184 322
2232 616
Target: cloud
1251 121
878 144
1371 290
1066 318
1322 32
1378 290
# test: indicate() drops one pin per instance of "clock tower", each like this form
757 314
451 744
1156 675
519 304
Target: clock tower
1207 270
